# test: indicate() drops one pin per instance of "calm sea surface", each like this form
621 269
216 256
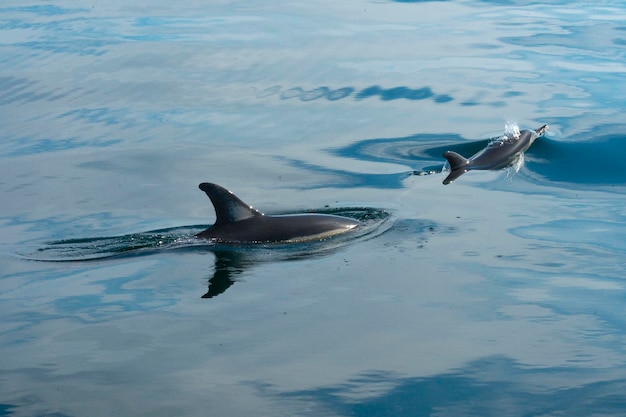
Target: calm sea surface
500 294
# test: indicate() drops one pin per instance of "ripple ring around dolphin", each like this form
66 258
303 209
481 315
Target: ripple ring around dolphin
373 223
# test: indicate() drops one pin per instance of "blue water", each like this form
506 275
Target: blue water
500 294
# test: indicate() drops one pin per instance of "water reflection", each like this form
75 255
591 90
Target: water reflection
385 94
489 386
228 265
232 262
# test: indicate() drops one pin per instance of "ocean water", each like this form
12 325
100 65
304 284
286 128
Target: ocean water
502 293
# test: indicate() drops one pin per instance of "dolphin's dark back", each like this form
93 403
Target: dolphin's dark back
238 222
286 228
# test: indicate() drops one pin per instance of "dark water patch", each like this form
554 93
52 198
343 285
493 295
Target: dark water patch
395 93
385 94
442 98
316 93
513 94
591 158
7 409
183 239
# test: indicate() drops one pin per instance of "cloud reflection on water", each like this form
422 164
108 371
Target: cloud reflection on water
487 386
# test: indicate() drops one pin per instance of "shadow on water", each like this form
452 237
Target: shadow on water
491 386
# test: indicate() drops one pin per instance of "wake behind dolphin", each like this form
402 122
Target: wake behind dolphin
238 227
500 153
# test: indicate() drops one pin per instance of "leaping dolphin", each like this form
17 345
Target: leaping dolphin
500 153
237 222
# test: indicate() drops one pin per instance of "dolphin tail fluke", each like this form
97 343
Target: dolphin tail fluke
459 165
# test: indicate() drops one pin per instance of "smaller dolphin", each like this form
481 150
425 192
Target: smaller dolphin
237 222
499 153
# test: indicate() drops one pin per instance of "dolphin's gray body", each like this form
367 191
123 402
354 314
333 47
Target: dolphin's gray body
500 153
237 222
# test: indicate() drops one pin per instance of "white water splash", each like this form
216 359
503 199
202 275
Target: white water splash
511 130
511 133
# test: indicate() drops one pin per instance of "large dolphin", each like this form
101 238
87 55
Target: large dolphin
237 222
500 153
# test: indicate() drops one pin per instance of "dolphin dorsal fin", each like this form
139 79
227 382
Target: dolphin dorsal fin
228 207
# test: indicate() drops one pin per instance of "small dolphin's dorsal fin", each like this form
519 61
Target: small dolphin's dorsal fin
228 207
